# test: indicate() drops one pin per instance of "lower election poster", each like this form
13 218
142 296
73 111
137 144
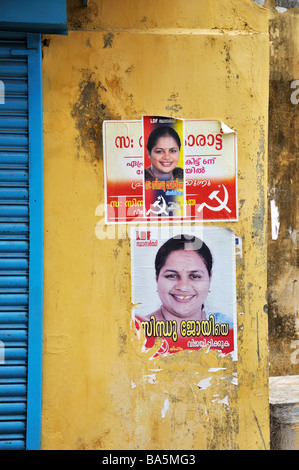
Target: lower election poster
184 288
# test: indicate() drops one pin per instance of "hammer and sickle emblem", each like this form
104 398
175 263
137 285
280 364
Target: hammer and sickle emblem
161 207
222 204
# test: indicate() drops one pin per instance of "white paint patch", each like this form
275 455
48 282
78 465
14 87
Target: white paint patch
151 378
281 9
234 379
133 385
239 251
204 383
274 220
293 235
165 408
224 401
215 398
216 369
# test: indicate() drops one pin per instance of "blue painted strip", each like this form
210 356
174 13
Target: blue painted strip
35 330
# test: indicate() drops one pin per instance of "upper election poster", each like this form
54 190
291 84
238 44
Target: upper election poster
184 288
163 176
163 169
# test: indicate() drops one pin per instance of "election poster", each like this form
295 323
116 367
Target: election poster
163 169
163 182
183 288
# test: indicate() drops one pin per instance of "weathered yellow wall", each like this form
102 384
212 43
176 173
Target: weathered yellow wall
195 59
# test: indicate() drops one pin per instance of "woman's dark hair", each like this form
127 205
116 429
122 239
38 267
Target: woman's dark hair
162 131
183 242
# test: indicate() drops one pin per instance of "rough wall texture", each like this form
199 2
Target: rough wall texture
283 291
190 60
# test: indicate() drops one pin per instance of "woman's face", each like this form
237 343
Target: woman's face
183 284
165 154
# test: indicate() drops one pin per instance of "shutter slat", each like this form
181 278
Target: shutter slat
12 410
18 444
15 356
13 159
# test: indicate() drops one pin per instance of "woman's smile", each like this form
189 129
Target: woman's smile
182 298
166 164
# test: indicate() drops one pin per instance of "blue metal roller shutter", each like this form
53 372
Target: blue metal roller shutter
20 241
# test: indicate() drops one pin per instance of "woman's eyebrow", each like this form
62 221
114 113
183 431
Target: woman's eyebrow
162 148
192 271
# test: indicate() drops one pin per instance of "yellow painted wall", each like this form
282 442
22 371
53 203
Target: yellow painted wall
122 59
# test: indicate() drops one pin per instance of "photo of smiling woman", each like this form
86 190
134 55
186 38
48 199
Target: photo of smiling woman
183 274
163 148
163 163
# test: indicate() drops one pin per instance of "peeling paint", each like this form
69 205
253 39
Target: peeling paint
204 383
224 401
274 220
165 408
151 378
293 234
